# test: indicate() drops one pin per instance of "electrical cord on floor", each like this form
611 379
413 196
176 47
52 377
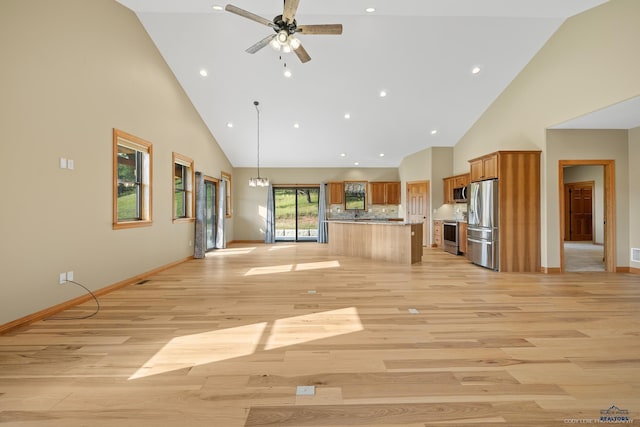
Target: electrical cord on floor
81 317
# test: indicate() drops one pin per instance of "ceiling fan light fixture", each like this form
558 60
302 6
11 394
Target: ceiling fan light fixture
294 43
282 37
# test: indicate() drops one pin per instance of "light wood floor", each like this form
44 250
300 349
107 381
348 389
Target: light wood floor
225 341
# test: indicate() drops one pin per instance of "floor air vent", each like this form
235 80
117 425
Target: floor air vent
635 254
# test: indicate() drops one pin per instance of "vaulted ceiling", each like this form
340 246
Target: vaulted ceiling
420 52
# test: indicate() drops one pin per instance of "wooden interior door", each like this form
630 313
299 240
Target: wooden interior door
418 207
579 211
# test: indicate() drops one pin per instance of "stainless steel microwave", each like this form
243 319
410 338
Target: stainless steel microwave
460 195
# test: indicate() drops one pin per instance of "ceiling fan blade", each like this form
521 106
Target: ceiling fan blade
246 14
262 43
302 54
290 8
320 29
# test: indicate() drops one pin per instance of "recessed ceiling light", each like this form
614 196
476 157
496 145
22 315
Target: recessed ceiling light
347 116
356 163
475 70
434 131
204 73
287 73
296 125
229 125
343 154
217 7
381 154
383 93
370 9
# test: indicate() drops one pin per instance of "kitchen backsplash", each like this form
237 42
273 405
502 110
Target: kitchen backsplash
457 211
374 212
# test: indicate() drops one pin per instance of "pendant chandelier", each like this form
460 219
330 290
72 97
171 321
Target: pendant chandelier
258 181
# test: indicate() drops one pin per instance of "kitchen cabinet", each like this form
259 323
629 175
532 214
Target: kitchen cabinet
384 193
336 193
518 174
462 237
485 167
437 234
452 182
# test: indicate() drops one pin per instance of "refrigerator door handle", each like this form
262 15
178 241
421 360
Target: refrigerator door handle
484 242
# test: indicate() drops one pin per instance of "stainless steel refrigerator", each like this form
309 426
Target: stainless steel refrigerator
482 221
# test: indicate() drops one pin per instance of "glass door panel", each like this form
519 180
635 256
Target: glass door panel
296 213
210 214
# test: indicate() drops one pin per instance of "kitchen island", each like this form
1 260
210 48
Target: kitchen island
399 242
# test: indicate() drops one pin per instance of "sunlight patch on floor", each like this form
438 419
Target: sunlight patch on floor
315 326
285 268
192 350
232 251
207 347
278 247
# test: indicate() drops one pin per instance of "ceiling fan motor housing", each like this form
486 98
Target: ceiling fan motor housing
281 24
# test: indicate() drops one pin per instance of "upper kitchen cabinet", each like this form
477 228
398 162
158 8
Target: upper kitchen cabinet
384 193
485 167
336 193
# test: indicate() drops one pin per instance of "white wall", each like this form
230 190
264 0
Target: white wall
589 145
593 174
72 70
634 193
591 62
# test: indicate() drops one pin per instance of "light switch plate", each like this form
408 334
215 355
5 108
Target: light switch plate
63 163
70 164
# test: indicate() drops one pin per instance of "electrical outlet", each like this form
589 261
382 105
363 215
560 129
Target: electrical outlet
63 278
190 243
69 275
63 163
70 164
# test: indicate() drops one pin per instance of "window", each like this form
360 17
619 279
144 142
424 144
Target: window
131 181
182 188
226 178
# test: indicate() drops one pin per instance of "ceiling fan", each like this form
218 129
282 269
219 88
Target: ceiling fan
285 27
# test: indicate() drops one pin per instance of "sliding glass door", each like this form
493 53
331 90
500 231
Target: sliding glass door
296 213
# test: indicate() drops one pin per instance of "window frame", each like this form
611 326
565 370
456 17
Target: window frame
189 200
145 190
226 178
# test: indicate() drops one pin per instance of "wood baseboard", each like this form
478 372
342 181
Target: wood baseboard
551 270
48 312
634 270
245 241
623 270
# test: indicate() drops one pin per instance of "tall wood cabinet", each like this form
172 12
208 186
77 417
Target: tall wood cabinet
518 174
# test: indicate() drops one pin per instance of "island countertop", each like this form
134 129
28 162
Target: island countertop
392 241
372 221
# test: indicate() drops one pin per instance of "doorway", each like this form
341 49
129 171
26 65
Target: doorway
418 207
587 218
210 212
296 213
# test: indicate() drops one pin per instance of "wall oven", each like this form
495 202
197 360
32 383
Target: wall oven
450 237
